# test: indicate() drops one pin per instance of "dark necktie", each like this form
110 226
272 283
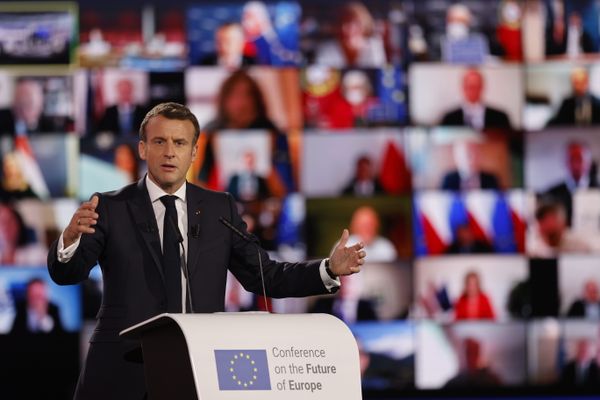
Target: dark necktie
171 256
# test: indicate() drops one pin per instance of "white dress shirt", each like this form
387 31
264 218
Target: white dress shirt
155 193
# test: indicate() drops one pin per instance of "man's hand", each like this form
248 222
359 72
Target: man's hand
346 260
82 222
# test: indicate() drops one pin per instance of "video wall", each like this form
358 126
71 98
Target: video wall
458 140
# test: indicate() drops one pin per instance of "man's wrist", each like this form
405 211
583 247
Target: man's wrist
328 270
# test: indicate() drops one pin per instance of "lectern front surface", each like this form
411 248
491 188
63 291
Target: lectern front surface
266 356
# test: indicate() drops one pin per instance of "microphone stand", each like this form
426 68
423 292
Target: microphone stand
183 264
260 264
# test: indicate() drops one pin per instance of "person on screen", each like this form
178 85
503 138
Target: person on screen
475 372
28 110
551 236
568 36
18 246
581 175
582 370
14 185
357 43
588 306
133 235
461 43
581 108
474 112
229 44
358 93
508 31
468 174
37 314
465 242
364 183
473 303
269 44
364 228
348 304
246 184
124 117
126 161
241 106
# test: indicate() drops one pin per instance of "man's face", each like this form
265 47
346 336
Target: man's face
168 150
579 81
364 170
28 101
37 298
576 161
125 91
472 86
552 227
230 41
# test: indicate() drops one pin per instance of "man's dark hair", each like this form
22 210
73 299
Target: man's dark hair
170 110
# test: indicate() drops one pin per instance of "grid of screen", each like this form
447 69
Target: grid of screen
458 140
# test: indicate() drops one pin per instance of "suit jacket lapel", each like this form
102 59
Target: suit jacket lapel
195 231
143 215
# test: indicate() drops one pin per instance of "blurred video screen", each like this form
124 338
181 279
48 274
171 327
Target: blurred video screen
457 140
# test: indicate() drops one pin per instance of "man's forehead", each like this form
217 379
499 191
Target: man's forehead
162 126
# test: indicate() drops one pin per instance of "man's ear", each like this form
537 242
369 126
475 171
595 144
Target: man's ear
194 150
142 149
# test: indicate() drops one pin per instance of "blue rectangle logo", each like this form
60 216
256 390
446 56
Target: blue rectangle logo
242 369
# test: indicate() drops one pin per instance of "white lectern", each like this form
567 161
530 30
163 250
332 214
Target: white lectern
248 356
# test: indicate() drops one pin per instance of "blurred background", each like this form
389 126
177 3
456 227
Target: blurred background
458 140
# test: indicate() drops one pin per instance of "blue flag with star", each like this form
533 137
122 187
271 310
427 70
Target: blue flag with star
242 370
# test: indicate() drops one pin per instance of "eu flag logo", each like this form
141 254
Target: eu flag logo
242 369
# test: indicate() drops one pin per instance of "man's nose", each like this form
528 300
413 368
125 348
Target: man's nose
169 149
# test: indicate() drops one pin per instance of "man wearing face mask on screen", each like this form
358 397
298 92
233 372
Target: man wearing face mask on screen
132 234
459 44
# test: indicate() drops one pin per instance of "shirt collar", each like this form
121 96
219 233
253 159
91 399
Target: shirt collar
156 192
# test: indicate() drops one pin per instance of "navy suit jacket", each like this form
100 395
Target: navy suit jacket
566 113
451 181
126 244
492 118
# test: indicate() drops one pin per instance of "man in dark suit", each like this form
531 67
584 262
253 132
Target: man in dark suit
247 185
27 112
468 174
36 314
567 36
132 234
364 183
581 108
587 306
474 112
125 116
582 371
581 175
229 48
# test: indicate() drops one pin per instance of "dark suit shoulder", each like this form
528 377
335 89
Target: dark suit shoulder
124 193
453 118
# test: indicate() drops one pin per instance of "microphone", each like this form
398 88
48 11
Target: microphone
183 265
247 239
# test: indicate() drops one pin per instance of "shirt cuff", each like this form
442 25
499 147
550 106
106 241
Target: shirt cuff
332 285
65 255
